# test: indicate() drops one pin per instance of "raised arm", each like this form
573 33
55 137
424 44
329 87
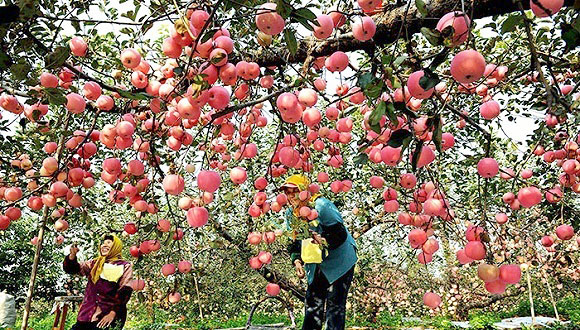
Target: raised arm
72 266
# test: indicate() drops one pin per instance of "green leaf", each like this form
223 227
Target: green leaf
23 45
149 227
421 7
439 59
305 13
361 159
400 106
398 137
231 5
28 9
429 79
386 59
198 78
511 22
374 90
228 196
208 35
396 82
447 35
20 70
390 112
283 8
55 96
36 114
437 132
22 122
135 96
416 155
57 58
5 61
571 36
216 244
77 26
376 116
432 35
178 70
133 14
9 13
399 60
576 24
217 58
376 128
406 111
305 23
406 141
289 36
365 79
146 27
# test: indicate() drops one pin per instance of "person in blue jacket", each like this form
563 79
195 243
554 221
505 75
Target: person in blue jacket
330 279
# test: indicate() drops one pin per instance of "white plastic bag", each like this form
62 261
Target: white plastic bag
7 311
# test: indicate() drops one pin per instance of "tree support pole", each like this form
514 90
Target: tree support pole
551 295
532 312
32 281
198 296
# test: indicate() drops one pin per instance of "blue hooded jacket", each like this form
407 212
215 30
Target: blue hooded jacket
336 262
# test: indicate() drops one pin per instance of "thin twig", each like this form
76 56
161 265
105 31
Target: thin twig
534 56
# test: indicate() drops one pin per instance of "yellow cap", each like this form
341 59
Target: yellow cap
297 180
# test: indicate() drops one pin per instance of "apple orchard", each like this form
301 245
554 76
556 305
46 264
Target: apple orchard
446 132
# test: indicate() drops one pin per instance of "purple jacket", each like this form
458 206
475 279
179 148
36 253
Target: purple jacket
104 296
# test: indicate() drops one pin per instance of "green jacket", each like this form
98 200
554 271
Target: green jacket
338 259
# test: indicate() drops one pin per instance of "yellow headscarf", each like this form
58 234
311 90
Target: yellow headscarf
113 255
302 183
297 180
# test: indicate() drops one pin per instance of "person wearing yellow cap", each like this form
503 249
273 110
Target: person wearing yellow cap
108 289
327 257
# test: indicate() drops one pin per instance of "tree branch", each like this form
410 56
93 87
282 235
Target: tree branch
13 91
388 24
72 68
467 118
464 308
73 19
240 106
534 54
269 274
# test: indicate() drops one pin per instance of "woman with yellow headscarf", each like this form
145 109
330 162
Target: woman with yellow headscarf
108 289
327 258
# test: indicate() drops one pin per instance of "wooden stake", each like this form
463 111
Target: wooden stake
198 297
551 295
531 299
31 283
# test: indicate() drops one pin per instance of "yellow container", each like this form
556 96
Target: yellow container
311 253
